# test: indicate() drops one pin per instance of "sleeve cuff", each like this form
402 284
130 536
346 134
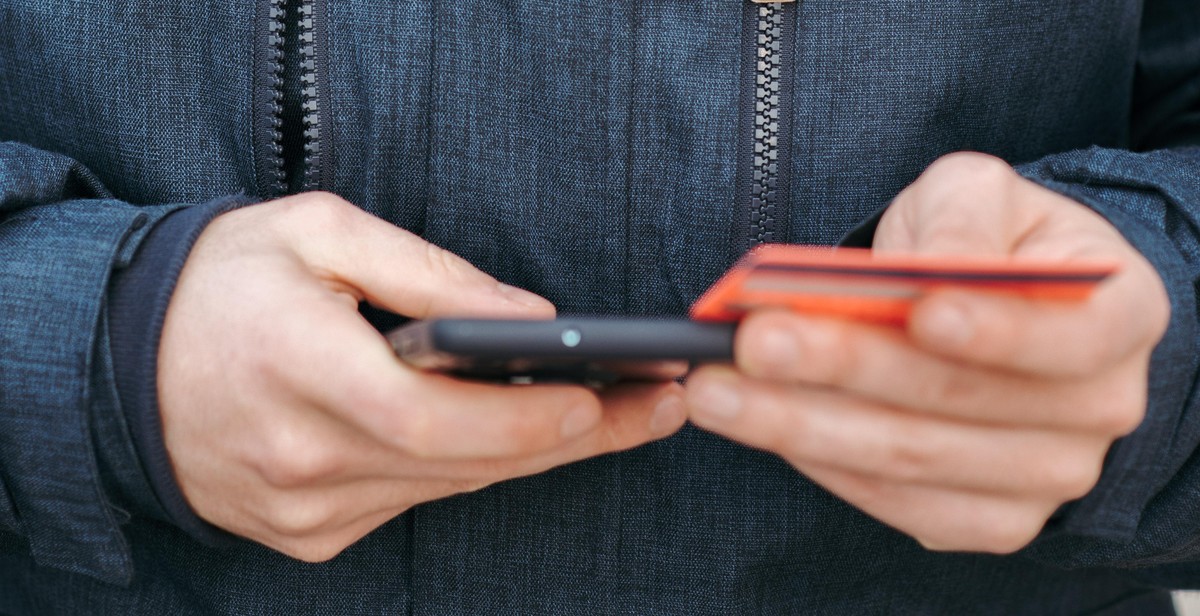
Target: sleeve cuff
138 300
1114 184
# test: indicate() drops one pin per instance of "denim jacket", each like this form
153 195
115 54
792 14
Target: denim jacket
614 156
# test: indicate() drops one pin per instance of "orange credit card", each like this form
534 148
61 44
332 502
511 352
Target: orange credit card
856 283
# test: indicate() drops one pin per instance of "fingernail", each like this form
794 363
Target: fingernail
521 296
718 401
948 325
668 415
577 422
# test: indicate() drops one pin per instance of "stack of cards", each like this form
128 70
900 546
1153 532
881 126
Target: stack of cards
864 285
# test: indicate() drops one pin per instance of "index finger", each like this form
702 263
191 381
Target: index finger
879 363
393 268
433 416
1127 315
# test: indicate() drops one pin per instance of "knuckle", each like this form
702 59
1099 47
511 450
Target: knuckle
284 475
441 262
298 470
973 166
872 495
258 364
322 202
906 455
1117 420
1125 408
1070 477
290 459
466 486
313 552
933 544
1009 535
297 518
326 210
752 335
766 346
299 217
843 359
328 545
796 440
954 390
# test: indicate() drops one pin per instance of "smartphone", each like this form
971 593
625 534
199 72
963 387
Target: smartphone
596 351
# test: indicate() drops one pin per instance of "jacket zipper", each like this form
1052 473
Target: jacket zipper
310 97
289 106
268 101
765 117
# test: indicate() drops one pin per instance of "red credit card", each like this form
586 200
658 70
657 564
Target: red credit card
860 284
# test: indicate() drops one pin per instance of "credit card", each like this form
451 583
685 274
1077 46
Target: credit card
859 284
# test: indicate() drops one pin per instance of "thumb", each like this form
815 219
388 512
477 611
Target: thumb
396 270
963 204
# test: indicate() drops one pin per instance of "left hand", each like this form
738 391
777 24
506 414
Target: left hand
970 427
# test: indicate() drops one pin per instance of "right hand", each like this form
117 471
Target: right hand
289 420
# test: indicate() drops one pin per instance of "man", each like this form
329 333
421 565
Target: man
198 419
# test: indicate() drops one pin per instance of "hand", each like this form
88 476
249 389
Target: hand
969 429
289 420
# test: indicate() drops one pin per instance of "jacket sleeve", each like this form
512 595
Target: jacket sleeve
1143 512
1144 506
69 472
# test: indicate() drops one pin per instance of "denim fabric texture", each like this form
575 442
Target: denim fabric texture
59 240
588 151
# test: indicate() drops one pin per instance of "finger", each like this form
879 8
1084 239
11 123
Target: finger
320 452
942 520
653 371
823 427
882 364
1125 317
436 417
633 415
969 204
397 270
964 204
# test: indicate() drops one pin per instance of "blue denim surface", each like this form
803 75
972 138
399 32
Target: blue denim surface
587 151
